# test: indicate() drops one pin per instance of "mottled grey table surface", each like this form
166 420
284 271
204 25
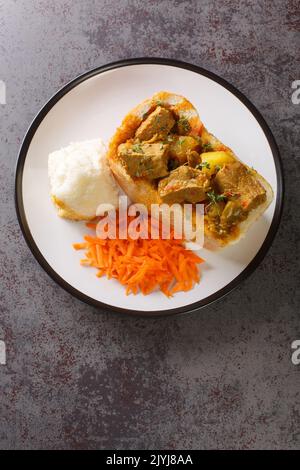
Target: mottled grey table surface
219 378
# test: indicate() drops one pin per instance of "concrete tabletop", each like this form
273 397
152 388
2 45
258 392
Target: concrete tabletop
222 377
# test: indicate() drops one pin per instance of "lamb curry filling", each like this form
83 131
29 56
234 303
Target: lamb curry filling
183 169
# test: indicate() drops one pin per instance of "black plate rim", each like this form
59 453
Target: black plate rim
250 268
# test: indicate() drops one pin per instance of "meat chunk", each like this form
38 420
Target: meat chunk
145 160
193 158
184 184
238 183
157 125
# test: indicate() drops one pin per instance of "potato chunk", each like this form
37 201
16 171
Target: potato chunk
214 160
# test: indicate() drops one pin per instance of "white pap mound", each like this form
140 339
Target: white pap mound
80 179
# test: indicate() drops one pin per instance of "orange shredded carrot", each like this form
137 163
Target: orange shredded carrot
79 246
142 265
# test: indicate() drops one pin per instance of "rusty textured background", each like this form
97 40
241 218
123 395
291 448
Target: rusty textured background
219 378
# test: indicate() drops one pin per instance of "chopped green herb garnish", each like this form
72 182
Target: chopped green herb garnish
159 102
203 165
184 124
207 147
218 167
215 198
137 148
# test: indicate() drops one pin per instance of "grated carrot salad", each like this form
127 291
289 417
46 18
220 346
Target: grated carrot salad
142 265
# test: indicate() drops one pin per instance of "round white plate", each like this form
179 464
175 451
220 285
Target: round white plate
92 106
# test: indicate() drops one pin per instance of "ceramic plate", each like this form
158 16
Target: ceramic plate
93 105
